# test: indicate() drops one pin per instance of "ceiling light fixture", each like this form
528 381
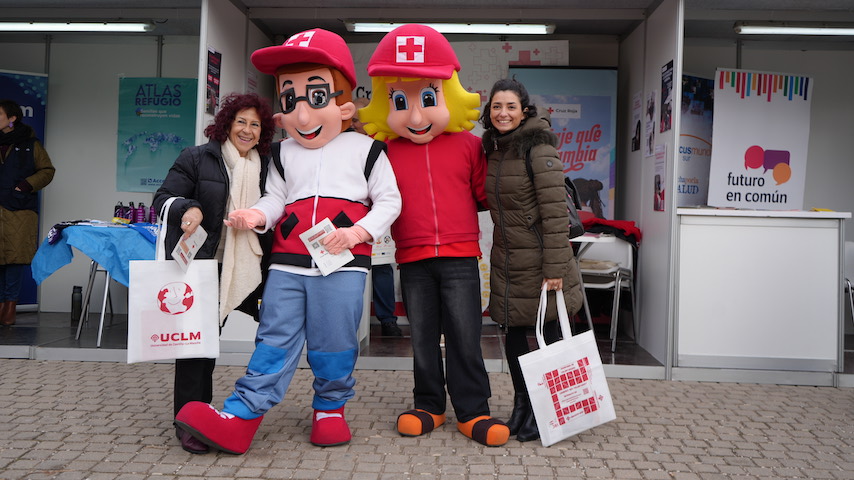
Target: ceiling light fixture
481 28
745 28
75 27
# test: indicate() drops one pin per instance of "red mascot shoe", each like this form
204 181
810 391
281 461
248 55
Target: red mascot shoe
220 430
328 428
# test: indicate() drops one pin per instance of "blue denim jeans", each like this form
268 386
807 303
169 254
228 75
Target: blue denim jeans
10 282
442 296
320 313
383 289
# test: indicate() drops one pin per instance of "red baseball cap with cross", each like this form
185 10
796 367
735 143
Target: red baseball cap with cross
416 51
311 46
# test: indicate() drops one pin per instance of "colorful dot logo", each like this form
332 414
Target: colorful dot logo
775 160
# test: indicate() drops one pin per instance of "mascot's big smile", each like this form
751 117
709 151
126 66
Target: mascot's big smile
423 131
311 135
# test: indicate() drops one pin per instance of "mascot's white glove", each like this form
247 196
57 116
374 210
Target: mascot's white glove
246 219
345 238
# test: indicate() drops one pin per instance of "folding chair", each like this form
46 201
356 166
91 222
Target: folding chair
610 266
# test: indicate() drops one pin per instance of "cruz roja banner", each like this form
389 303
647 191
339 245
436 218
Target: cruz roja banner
761 140
582 103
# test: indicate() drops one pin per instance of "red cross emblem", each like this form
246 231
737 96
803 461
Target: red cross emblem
300 39
409 50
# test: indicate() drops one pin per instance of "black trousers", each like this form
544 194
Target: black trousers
193 381
442 296
516 344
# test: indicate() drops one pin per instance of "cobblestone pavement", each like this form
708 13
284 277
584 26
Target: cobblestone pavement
105 421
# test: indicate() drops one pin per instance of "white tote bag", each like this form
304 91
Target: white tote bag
565 380
172 314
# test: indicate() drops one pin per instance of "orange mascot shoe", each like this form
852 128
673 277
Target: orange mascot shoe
413 423
485 430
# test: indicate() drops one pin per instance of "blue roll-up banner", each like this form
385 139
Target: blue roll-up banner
29 90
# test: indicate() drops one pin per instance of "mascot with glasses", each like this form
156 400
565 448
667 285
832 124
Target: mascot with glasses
324 170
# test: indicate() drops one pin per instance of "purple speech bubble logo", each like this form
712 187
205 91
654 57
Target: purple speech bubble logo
775 160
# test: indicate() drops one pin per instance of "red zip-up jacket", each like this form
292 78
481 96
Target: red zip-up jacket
442 187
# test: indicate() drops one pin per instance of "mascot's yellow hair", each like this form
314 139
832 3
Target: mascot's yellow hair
462 105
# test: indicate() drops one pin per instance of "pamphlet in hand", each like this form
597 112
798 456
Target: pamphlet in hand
326 262
186 249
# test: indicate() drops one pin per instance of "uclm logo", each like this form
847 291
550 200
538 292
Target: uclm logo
175 298
177 337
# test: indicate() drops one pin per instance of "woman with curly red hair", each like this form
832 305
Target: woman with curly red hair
209 181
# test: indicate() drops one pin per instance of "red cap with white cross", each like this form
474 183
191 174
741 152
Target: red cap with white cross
311 46
416 51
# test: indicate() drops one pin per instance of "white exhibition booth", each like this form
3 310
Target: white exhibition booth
722 295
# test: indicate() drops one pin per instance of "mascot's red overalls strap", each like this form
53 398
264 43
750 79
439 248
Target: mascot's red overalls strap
422 110
323 176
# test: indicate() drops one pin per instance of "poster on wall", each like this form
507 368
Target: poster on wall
761 138
649 125
637 108
660 178
695 141
213 79
667 97
157 119
582 103
29 90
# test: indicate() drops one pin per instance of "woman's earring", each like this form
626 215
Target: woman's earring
11 124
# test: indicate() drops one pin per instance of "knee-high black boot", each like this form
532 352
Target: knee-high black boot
521 403
528 429
522 422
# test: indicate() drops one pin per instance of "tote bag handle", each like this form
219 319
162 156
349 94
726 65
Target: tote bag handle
562 316
163 226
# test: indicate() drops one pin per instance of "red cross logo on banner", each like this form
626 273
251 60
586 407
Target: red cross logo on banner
300 39
409 50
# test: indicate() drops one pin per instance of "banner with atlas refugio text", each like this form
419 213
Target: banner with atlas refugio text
157 119
761 137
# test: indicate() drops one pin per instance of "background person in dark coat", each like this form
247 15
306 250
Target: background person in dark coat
25 168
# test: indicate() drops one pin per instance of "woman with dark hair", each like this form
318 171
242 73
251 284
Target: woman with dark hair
209 181
25 168
531 248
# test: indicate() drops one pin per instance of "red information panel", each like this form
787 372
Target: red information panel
571 392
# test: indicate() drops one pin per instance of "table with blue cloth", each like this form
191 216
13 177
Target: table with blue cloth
110 246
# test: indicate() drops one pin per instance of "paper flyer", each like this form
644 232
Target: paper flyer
326 262
185 250
383 250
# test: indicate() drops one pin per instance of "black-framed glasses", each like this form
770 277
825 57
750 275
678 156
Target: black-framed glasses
317 96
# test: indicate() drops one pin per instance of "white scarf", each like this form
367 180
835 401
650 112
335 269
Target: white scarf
241 263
